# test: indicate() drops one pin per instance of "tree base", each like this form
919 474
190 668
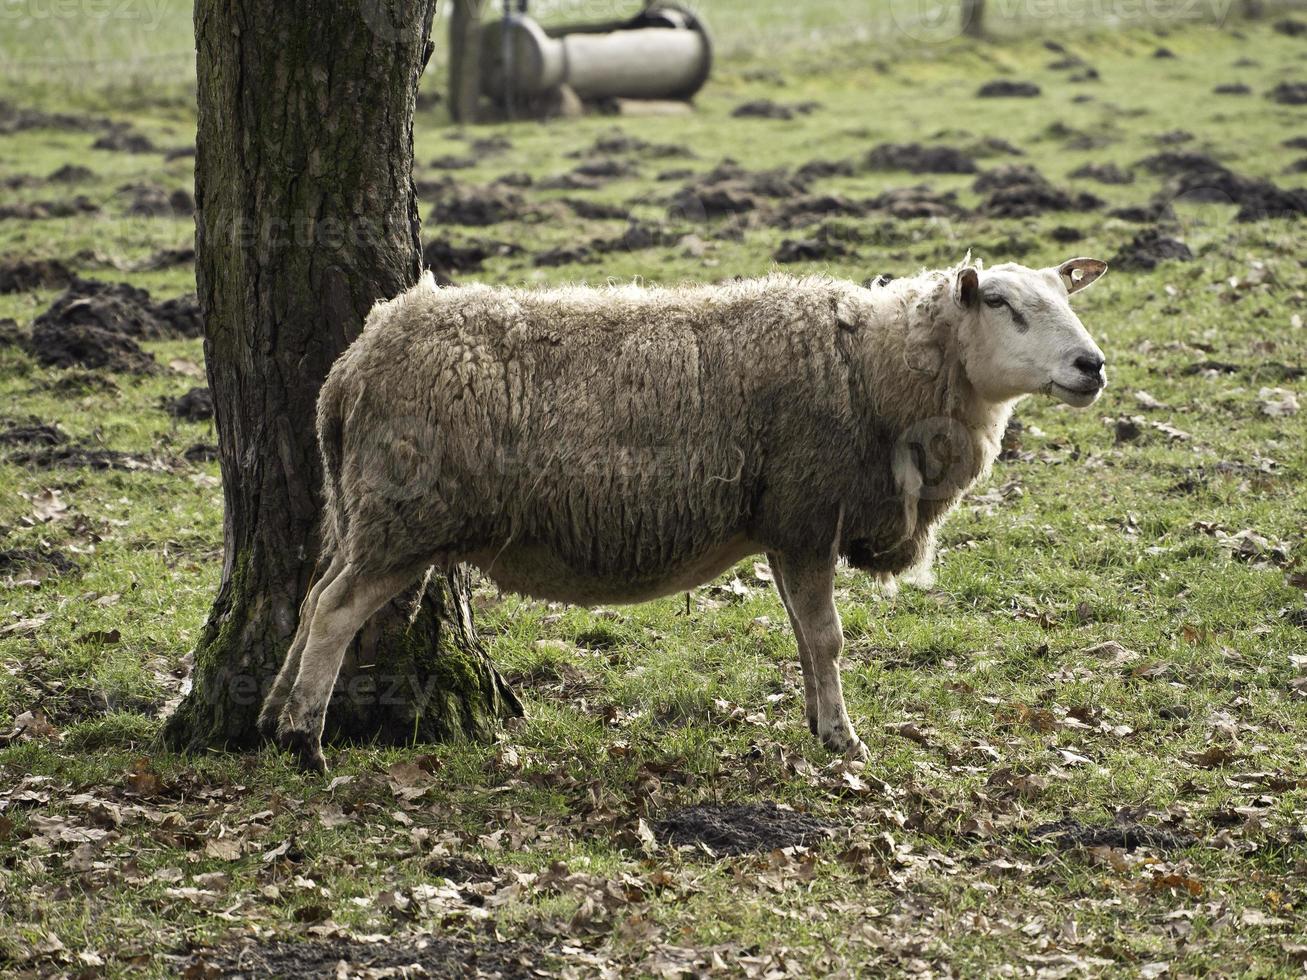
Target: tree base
415 673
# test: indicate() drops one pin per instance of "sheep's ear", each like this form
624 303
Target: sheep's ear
967 288
1078 274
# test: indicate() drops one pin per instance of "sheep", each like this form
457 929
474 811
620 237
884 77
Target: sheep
613 445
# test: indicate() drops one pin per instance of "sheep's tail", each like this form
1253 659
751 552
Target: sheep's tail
331 435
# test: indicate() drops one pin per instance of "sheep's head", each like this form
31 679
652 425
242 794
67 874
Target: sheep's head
1019 335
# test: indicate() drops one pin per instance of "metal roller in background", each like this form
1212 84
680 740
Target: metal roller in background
664 53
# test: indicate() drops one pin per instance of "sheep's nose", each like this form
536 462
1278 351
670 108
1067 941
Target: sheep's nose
1090 364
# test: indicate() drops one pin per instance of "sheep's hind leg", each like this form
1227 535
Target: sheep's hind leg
281 687
810 584
342 608
805 658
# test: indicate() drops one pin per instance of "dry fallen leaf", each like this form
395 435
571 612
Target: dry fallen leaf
1278 403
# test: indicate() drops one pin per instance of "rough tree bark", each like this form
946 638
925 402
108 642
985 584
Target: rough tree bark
307 215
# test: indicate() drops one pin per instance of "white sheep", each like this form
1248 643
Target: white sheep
615 445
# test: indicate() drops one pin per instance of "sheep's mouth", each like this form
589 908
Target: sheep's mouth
1075 397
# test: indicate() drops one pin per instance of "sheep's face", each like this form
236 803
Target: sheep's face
1022 337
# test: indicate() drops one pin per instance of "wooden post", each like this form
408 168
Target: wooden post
465 60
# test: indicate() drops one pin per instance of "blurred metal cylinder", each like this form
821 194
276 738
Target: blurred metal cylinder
665 53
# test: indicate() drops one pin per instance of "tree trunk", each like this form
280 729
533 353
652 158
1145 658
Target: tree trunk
973 18
465 61
306 216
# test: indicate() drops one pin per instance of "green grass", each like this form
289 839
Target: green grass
1016 714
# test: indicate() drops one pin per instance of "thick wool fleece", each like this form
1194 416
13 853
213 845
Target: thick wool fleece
613 444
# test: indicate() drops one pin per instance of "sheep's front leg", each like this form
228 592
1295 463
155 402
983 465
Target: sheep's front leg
805 658
810 585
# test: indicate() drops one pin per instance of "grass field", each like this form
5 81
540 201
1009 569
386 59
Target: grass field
1118 636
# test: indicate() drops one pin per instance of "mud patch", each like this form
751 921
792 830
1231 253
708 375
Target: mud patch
14 119
1005 88
1069 833
1149 249
194 406
61 344
742 829
1255 197
1291 28
636 237
920 159
809 209
1232 88
22 275
431 956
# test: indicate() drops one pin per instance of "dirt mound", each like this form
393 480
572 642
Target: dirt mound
1171 163
71 173
480 206
730 189
1232 88
596 210
768 109
817 169
917 202
32 432
152 201
40 210
16 120
741 829
1291 28
444 257
818 248
618 143
637 236
320 959
28 560
201 452
194 406
451 161
61 344
1069 832
1255 197
78 455
1008 175
124 309
22 275
1145 214
120 139
1103 173
1149 249
1021 191
811 208
1289 93
920 159
1005 88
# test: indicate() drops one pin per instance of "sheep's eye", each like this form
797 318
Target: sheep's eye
995 302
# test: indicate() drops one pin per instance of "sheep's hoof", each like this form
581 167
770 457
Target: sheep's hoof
847 744
306 749
268 720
